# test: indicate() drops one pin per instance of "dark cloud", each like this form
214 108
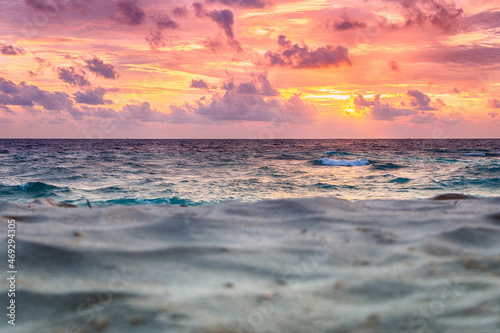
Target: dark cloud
427 118
198 84
224 19
129 114
142 112
484 20
180 11
8 87
49 6
441 14
246 101
420 101
394 66
53 7
199 9
380 110
360 100
29 96
42 64
247 88
92 96
156 40
417 101
455 90
164 22
99 68
494 104
259 85
9 50
129 12
347 23
213 44
238 107
256 4
6 109
228 85
295 56
493 114
254 104
70 76
100 112
470 55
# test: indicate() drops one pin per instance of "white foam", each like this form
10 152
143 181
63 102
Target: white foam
332 162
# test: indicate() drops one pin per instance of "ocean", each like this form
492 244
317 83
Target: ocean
140 260
198 172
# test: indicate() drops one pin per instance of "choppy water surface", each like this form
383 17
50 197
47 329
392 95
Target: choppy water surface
191 172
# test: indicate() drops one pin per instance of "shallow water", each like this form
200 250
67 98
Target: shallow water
193 172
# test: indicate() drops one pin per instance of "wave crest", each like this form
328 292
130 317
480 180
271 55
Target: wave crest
333 162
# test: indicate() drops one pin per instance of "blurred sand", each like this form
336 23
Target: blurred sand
298 265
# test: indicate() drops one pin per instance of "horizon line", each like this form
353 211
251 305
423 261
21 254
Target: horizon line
256 139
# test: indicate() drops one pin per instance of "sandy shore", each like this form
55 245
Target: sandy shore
301 265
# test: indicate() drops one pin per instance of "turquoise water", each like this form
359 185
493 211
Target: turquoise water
194 172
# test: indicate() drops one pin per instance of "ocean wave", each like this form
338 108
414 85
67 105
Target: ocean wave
285 157
400 180
475 154
155 201
31 190
332 162
37 187
336 152
325 186
385 166
481 169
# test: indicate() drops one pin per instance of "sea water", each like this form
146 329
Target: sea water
195 172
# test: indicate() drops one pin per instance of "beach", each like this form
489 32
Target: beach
292 265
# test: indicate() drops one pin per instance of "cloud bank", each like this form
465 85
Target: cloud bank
10 50
296 56
417 102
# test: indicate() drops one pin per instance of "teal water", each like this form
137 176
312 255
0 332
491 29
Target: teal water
194 172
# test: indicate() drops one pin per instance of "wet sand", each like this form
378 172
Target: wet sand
295 265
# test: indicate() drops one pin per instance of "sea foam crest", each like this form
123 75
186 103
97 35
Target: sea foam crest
332 162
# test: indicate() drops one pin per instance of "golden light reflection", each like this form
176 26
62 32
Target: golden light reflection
351 112
486 38
289 8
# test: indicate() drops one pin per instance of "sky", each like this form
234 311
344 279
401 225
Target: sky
249 69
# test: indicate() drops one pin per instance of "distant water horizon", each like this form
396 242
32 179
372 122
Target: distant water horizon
249 139
207 171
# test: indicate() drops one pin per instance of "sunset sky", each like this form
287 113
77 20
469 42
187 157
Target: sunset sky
250 69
